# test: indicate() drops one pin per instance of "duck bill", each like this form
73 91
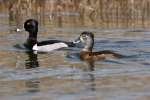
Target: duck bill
77 40
20 30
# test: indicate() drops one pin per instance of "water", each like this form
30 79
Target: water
61 75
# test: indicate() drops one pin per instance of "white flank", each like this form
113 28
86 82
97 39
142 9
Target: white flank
35 47
50 47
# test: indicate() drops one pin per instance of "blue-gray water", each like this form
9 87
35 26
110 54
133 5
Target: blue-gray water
61 75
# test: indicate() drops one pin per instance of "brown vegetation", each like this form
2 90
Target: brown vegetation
101 13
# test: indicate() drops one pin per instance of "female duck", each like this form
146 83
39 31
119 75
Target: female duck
86 53
31 26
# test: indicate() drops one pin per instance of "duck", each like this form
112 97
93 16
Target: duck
86 53
31 26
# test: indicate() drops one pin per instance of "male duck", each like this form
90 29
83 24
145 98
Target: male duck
31 26
86 53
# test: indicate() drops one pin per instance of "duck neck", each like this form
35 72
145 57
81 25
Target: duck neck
32 40
32 36
88 45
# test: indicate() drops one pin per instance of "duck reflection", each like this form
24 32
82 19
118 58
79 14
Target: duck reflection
90 64
32 61
88 69
91 78
32 85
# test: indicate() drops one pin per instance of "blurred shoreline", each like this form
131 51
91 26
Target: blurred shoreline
96 13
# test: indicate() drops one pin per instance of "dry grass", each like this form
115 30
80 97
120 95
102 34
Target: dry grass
118 13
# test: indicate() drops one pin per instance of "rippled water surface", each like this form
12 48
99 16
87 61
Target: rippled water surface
61 75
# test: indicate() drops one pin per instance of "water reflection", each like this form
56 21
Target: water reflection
91 80
32 86
78 15
88 70
32 61
91 65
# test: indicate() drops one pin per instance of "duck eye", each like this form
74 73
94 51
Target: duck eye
83 38
28 23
